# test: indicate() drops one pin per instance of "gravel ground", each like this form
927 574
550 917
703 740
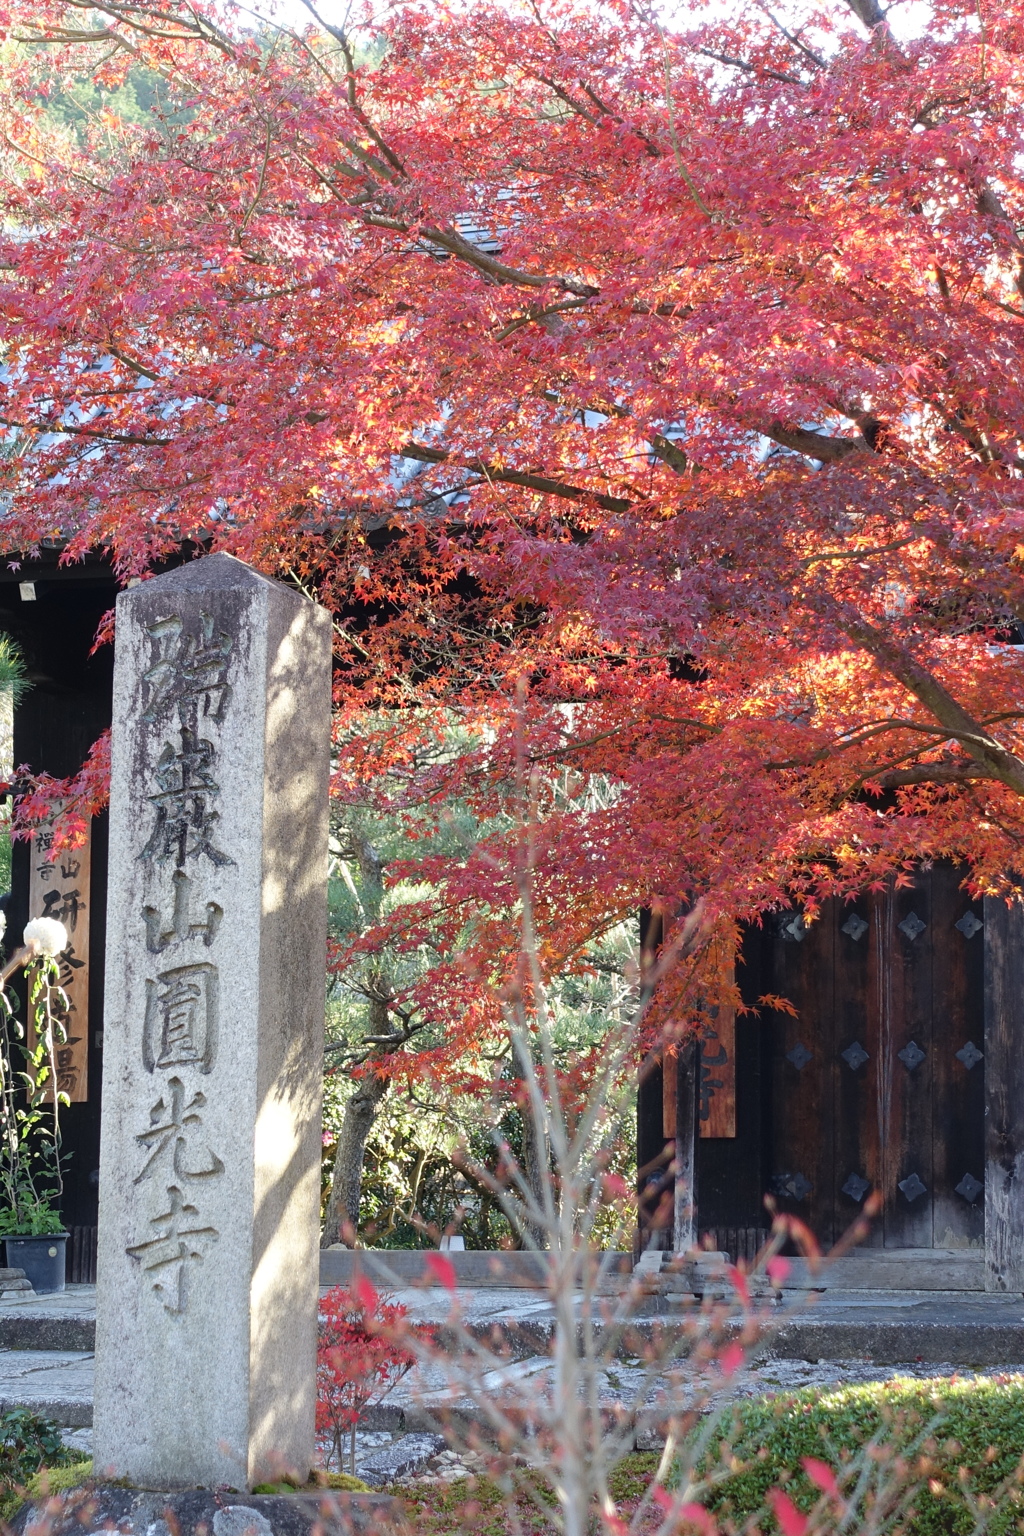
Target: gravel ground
768 1379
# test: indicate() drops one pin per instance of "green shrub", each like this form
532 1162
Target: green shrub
28 1442
937 1457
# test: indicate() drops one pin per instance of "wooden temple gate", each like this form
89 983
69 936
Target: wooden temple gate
902 1071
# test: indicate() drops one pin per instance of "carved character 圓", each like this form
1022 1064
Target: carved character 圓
185 818
183 1241
181 1018
189 670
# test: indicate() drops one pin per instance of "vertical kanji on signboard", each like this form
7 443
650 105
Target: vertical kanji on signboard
59 887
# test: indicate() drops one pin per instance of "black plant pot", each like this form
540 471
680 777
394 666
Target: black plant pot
42 1259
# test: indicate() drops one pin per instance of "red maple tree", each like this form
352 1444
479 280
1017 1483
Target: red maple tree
360 1357
644 396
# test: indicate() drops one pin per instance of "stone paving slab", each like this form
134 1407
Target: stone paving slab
399 1459
57 1384
46 1361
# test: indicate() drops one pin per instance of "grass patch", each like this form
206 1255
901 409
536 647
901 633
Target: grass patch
477 1505
42 1483
943 1453
341 1482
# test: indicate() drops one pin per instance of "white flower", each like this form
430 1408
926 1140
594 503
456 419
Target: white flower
45 936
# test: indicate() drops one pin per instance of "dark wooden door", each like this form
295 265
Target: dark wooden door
878 1078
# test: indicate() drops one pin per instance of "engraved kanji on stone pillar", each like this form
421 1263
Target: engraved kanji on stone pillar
216 938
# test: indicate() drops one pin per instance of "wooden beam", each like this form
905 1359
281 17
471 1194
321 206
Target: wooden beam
1004 1096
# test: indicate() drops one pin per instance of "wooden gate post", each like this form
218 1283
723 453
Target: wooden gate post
685 1223
1004 1096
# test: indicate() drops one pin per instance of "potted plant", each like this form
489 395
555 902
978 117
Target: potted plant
31 1182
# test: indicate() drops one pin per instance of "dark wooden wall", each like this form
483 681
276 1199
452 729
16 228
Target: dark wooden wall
67 707
1004 1121
877 1081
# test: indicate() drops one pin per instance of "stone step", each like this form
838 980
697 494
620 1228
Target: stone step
49 1331
896 1269
875 1335
54 1383
474 1269
15 1280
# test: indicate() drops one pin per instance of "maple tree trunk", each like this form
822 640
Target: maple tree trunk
347 1177
536 1168
535 1156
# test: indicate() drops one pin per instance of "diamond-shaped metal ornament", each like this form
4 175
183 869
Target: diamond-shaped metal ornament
794 928
792 1184
969 925
856 1187
912 926
970 1055
855 926
799 1056
911 1055
855 1055
970 1188
912 1187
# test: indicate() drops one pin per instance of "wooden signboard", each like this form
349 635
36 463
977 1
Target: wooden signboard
717 1108
59 887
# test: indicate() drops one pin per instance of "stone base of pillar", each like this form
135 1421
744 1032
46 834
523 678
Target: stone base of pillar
203 1512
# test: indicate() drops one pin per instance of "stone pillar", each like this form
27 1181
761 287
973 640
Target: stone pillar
1004 1096
216 935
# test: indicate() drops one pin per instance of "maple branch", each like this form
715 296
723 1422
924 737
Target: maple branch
259 186
352 96
27 154
923 773
455 245
828 450
670 453
62 428
540 314
200 29
130 362
425 455
860 554
673 135
869 12
934 773
1003 765
792 37
982 444
753 69
617 730
856 737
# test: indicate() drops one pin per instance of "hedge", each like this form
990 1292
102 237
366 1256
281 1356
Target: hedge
950 1449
